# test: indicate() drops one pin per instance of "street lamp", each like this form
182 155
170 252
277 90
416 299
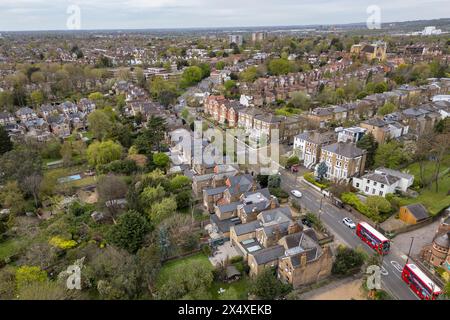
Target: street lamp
409 252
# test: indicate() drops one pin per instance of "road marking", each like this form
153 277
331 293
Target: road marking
384 272
404 257
397 266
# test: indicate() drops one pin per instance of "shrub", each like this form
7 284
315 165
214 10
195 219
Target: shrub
236 259
279 193
27 275
353 200
311 179
348 261
62 243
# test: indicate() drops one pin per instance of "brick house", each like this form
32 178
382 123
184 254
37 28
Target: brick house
343 160
308 146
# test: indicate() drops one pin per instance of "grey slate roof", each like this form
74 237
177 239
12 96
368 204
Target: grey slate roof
247 227
348 150
269 254
381 178
418 211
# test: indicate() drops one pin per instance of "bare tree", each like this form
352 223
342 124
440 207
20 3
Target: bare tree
110 190
441 147
32 185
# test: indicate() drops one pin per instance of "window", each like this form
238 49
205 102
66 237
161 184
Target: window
367 189
357 185
373 191
374 183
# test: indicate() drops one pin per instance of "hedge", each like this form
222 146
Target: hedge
310 178
353 200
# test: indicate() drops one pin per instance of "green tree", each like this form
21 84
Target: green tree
369 144
152 195
129 232
266 286
150 139
220 65
274 181
293 161
100 153
191 76
322 170
179 182
37 98
278 67
163 209
162 160
300 100
347 261
387 108
190 280
249 75
378 204
5 142
11 197
391 155
183 199
100 124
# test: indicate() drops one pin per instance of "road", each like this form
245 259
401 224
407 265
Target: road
332 218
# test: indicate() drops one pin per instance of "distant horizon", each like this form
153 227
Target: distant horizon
88 15
234 28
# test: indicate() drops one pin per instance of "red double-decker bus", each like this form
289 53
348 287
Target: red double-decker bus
418 281
373 238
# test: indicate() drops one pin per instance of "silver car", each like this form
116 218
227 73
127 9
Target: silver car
349 223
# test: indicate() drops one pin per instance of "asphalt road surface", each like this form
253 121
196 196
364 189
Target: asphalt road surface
332 217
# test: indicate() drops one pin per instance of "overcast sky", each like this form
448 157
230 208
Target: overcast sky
138 14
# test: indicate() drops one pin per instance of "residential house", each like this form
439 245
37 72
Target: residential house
352 135
372 51
438 253
47 110
7 118
384 130
383 181
308 145
25 114
59 126
234 187
304 260
344 161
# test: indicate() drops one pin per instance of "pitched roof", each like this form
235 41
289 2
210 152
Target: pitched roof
418 211
269 254
348 150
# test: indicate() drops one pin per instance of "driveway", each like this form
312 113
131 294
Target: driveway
223 251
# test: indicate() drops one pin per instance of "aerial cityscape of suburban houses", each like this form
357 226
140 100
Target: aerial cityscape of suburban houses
92 163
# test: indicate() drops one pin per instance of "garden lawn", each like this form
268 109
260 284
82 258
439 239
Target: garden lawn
9 248
432 200
233 291
167 268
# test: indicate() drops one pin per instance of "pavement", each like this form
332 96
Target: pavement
422 237
332 217
223 252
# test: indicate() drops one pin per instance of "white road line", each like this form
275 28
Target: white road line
397 266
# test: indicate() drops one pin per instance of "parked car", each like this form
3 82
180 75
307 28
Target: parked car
296 193
306 222
349 223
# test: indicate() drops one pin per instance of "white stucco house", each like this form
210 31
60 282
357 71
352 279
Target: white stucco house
383 181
